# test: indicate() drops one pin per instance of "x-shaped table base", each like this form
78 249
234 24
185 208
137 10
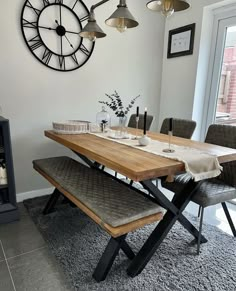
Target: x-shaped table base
174 212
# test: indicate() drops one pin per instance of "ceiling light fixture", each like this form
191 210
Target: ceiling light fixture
122 19
168 7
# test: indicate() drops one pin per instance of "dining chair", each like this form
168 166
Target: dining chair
181 127
215 190
132 121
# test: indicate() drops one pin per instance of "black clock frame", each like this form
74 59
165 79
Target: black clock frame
48 52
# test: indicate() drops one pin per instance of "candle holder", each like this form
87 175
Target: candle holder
136 131
169 150
144 140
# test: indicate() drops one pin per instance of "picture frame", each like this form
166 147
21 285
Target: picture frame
181 41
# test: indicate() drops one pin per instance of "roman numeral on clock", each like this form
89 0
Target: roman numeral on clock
84 50
37 42
29 24
62 62
29 5
75 58
86 17
74 4
46 56
46 2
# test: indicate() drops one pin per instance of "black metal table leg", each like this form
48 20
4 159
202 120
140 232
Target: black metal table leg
190 228
229 218
174 213
162 200
105 263
162 229
52 201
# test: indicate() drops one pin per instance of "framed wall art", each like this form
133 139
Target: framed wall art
181 40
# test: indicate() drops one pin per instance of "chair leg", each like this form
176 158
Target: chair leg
116 174
199 211
200 230
229 218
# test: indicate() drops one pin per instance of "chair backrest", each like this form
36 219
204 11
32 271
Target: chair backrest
224 135
181 127
132 121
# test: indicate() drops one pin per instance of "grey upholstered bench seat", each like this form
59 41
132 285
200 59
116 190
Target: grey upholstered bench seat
209 193
111 204
110 200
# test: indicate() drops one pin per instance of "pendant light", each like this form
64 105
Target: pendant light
92 31
122 19
168 7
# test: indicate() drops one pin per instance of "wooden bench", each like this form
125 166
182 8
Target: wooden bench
112 205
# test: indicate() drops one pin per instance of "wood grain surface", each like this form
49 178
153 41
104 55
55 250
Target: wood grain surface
134 163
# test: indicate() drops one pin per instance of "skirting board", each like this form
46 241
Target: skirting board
32 194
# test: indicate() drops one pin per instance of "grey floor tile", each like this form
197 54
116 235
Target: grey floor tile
22 209
5 279
37 270
20 237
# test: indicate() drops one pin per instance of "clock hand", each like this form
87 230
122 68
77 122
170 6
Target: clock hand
65 29
61 46
49 28
60 14
68 41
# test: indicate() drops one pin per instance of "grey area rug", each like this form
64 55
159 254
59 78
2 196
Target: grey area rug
77 243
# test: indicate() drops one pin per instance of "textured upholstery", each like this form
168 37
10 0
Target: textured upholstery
211 192
181 127
224 135
220 189
132 121
113 202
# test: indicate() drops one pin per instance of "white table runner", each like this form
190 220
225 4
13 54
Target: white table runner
198 164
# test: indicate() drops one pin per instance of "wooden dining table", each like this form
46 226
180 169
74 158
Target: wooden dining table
144 167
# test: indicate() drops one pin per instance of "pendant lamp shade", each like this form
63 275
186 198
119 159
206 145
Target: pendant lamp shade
178 5
122 18
92 31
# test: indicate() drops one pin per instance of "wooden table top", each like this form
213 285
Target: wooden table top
133 163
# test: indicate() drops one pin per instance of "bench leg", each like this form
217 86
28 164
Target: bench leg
52 201
127 250
67 201
105 263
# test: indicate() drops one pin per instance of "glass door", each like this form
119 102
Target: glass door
222 103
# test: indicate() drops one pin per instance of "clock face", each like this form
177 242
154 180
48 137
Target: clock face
51 30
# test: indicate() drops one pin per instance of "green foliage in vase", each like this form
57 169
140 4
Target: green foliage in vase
116 104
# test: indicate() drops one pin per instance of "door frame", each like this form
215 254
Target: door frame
223 18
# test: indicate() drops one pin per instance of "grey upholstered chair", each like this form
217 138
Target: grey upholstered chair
216 190
132 121
181 127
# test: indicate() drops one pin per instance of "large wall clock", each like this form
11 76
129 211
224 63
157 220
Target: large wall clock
51 31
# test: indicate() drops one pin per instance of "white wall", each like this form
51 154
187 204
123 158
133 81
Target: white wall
178 97
32 96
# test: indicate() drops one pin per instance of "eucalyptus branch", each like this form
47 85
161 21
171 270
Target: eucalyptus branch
116 104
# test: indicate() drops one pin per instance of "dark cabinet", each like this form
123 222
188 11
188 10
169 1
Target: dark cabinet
8 205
